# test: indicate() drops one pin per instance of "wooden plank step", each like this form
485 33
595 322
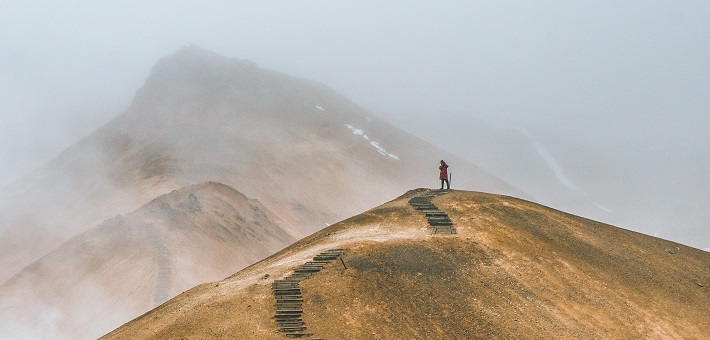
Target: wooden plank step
294 307
285 286
288 319
292 329
299 335
280 293
326 255
287 289
450 232
298 277
302 275
336 250
439 218
440 223
283 281
307 269
329 257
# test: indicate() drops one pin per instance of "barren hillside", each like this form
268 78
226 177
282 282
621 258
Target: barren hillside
513 269
129 264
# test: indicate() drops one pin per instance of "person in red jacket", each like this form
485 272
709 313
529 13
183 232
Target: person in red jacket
444 175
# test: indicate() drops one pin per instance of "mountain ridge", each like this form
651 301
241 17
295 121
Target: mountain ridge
513 269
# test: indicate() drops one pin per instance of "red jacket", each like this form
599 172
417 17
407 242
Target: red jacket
443 174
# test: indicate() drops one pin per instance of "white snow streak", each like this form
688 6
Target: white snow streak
603 207
554 166
546 155
320 108
376 145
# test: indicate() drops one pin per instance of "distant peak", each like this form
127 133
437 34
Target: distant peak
192 65
194 53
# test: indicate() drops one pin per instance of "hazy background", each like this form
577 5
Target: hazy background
627 82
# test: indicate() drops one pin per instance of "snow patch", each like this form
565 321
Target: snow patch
376 145
554 166
357 131
707 249
320 108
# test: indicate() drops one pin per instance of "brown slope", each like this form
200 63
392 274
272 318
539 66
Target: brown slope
514 270
129 264
202 117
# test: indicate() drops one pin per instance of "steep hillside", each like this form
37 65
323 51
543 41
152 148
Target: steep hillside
130 264
514 269
298 147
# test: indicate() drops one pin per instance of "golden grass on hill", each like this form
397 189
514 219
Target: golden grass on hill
513 270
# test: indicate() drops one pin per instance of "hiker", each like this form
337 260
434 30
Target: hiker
444 175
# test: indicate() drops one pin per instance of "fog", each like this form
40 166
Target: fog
619 79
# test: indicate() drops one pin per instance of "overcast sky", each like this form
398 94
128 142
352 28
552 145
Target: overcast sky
601 71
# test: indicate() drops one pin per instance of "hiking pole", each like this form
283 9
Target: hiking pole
343 262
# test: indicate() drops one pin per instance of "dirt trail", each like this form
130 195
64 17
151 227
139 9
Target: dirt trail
163 279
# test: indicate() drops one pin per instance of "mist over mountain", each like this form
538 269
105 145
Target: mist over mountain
131 263
307 154
598 109
298 147
657 188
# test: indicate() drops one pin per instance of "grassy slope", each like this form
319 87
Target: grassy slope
515 269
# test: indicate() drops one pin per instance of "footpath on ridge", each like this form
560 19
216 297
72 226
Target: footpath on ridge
289 300
164 276
439 221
